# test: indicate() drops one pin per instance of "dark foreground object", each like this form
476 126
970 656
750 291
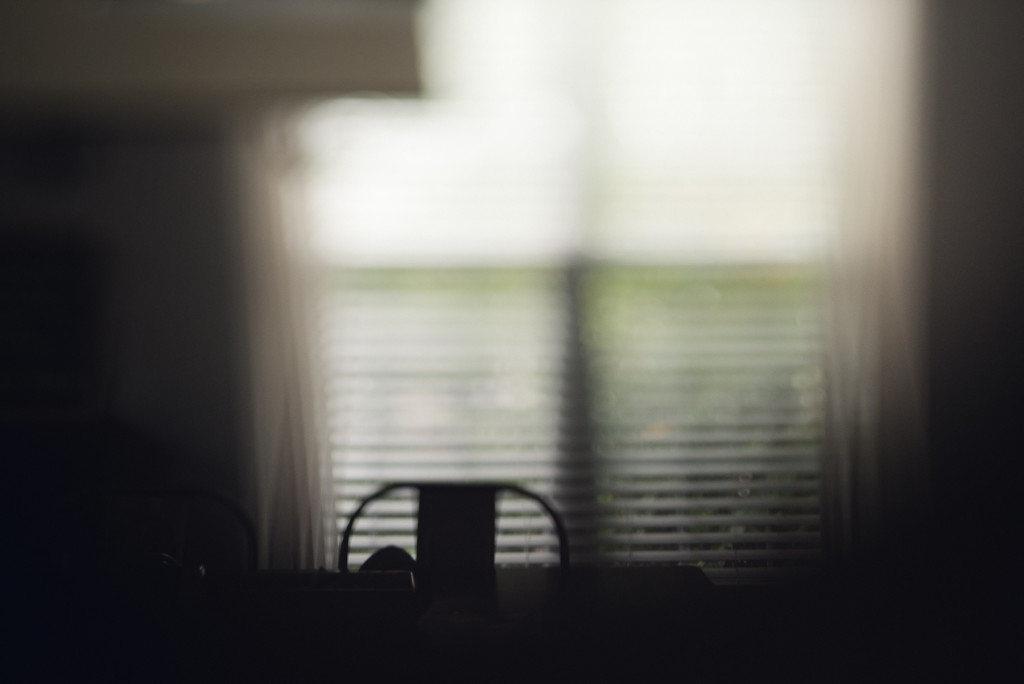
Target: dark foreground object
610 624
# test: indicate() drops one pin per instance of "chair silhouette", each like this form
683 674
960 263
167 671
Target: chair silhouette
456 527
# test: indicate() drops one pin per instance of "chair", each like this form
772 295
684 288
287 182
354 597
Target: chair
455 540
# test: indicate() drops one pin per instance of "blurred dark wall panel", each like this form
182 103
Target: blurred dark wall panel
974 222
158 54
120 309
48 347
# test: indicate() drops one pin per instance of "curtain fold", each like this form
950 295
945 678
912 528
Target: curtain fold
875 470
288 478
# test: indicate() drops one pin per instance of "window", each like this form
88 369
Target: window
588 261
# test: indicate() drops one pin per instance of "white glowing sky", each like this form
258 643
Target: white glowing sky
638 130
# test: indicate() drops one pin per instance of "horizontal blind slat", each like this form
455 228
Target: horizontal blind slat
706 419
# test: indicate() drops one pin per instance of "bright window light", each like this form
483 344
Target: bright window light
623 130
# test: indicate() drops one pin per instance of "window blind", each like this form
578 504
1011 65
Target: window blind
707 415
442 375
693 435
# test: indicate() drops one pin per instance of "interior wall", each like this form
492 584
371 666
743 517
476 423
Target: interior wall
163 202
151 203
974 218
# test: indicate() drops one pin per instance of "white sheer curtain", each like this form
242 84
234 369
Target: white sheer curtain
875 466
288 476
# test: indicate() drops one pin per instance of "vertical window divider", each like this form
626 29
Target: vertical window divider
576 468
